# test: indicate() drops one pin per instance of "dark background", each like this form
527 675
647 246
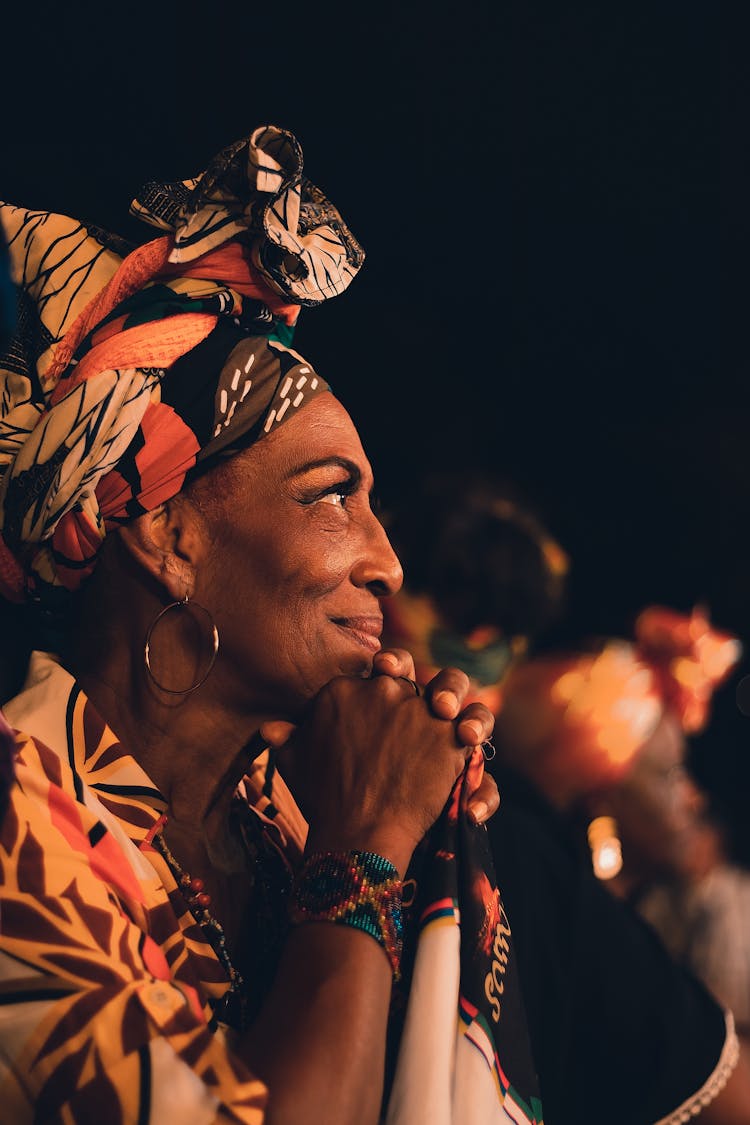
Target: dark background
552 201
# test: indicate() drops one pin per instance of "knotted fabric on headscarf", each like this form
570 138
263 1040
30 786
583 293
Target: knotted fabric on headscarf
133 367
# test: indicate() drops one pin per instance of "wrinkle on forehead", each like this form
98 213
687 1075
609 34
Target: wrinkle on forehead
323 430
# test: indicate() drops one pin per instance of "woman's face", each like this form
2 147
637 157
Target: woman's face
298 561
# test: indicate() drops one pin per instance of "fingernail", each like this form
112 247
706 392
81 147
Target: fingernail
448 698
387 658
479 811
476 731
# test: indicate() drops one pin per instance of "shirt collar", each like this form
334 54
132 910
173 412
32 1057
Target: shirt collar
53 708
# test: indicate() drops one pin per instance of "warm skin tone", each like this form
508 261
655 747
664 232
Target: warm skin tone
307 563
283 549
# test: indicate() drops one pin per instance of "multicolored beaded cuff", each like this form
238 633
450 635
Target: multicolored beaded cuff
360 889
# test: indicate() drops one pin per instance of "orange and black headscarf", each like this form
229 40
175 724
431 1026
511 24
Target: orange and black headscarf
132 368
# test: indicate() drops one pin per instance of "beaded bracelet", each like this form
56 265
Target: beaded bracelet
360 889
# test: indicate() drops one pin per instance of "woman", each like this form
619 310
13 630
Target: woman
604 735
602 731
700 907
185 510
150 849
484 581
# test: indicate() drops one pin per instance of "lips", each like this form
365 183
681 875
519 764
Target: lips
365 630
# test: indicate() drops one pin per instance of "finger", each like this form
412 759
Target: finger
276 731
484 801
394 688
394 662
412 684
446 692
475 724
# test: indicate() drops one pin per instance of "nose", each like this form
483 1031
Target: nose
378 567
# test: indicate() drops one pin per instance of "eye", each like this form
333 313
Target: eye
338 497
334 492
338 493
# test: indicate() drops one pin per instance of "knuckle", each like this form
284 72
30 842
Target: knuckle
481 714
386 687
335 688
459 679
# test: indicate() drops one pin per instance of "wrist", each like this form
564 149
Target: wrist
355 888
392 846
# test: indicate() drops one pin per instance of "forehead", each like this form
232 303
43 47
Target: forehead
322 430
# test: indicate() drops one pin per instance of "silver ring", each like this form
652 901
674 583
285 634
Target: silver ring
414 684
488 749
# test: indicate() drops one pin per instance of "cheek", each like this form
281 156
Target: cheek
284 599
272 585
309 569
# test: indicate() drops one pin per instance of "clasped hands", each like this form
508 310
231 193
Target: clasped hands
474 723
375 745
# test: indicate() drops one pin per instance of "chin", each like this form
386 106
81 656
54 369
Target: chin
359 667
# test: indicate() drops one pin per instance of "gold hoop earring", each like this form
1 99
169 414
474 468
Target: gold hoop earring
606 847
211 660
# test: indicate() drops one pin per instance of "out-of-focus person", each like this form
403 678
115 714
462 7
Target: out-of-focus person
701 910
604 735
486 580
484 577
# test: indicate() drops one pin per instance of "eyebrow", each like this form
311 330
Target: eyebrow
354 471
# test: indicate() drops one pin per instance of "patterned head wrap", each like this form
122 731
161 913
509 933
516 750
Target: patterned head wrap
131 367
576 721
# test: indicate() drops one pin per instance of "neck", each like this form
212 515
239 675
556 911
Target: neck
194 749
193 746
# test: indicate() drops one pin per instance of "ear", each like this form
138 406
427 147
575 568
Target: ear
169 543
